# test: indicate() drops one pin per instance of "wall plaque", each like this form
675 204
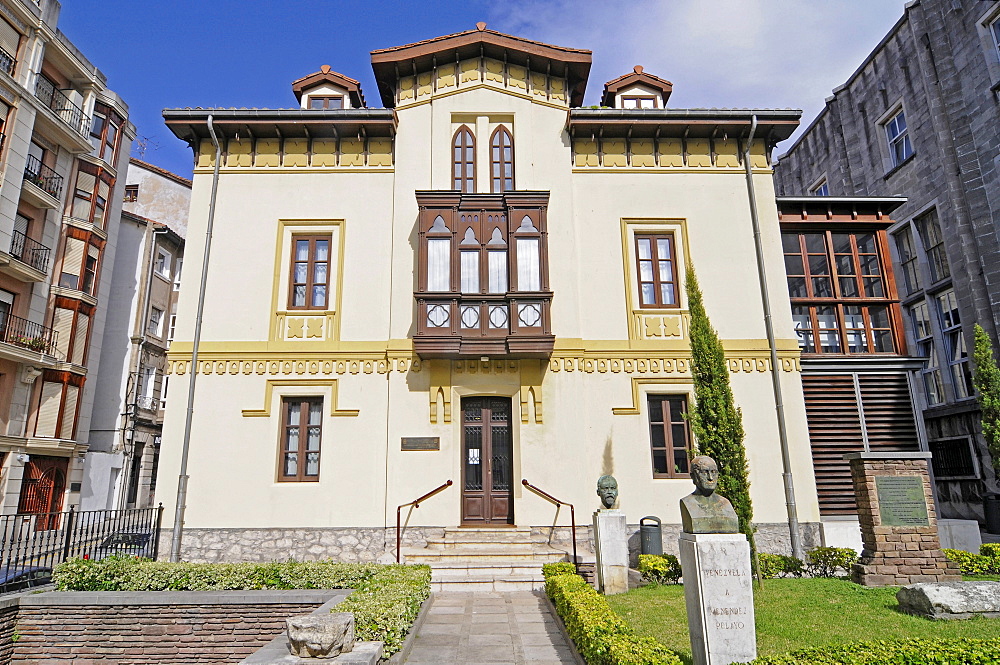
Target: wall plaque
420 443
901 500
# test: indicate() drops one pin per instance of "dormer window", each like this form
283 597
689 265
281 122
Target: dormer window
637 90
326 89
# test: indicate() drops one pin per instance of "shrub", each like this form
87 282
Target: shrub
558 568
780 565
985 563
826 561
385 602
660 568
986 378
902 652
601 636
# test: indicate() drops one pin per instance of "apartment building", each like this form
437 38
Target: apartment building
66 139
132 386
920 119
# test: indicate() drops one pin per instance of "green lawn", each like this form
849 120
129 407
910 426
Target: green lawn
797 613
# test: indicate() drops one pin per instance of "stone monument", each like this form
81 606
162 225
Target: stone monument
610 540
898 521
715 559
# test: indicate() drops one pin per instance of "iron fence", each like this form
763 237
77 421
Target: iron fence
29 251
32 544
61 105
7 62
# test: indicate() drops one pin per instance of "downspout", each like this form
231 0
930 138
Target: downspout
182 477
779 406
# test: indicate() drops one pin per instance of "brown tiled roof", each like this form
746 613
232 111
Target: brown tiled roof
163 172
481 31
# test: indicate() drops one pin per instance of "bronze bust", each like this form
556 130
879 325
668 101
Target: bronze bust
607 489
704 511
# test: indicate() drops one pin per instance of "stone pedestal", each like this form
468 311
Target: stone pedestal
898 521
611 543
718 593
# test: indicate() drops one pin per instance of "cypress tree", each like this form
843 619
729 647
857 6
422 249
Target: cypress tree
987 380
716 421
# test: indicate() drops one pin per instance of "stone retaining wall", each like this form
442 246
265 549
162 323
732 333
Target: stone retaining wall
367 544
143 628
8 619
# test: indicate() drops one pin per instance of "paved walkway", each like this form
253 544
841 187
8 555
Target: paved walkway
490 628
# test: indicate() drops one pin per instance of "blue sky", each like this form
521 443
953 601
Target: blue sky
246 53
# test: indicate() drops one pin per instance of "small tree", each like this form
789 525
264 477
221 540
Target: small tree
987 380
715 420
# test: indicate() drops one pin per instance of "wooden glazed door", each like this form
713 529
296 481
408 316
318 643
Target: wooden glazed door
487 461
42 490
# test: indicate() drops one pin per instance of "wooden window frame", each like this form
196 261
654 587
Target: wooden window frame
92 197
498 183
657 283
326 102
959 369
931 371
463 140
929 229
105 150
670 447
836 299
822 188
900 139
131 194
301 451
310 266
906 249
638 99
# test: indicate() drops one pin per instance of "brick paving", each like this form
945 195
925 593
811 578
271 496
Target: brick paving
490 628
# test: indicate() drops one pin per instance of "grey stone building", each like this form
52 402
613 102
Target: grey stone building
920 118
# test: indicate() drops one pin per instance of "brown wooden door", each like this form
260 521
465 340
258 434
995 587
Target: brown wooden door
487 461
42 490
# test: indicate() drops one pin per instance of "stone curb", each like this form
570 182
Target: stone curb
400 656
562 628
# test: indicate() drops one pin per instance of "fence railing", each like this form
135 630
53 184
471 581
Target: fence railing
57 100
21 332
29 251
31 543
572 515
7 61
42 176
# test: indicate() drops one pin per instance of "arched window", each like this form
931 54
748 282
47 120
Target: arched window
502 160
464 146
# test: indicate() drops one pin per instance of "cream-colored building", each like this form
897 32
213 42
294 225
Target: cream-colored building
482 282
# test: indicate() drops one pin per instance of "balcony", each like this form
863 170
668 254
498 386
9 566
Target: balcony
7 62
483 276
18 335
29 251
60 104
47 184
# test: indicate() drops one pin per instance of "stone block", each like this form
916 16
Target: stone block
951 600
321 635
611 539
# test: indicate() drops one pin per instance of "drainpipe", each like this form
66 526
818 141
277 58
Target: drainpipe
786 462
182 477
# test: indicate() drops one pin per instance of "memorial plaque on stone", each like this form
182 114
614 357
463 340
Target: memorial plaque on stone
901 500
420 443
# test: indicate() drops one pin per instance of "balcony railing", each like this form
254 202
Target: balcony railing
29 251
56 100
42 176
28 334
7 62
147 402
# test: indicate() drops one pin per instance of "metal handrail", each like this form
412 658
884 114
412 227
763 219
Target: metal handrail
43 177
572 515
416 504
61 105
7 61
22 332
30 251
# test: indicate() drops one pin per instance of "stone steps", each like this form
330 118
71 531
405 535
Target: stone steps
489 558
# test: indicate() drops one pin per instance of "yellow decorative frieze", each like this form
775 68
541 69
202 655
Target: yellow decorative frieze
272 384
716 155
661 326
349 154
318 326
663 365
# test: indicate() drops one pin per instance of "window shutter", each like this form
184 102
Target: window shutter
48 410
9 38
62 323
103 189
86 181
80 338
69 413
21 224
73 256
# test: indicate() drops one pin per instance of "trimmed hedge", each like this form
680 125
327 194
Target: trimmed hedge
780 565
386 600
987 562
600 635
660 568
894 652
826 561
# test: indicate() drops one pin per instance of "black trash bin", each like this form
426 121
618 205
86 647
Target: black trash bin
650 537
991 504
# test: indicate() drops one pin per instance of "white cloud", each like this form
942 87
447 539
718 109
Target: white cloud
717 53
